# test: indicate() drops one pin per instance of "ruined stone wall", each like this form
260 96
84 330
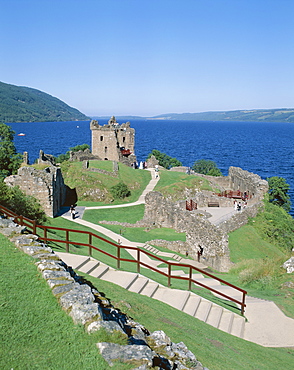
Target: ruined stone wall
82 155
240 218
200 233
247 181
108 140
45 185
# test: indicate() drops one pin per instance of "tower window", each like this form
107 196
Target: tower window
101 138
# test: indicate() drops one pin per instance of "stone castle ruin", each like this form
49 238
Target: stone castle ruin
113 141
205 241
45 185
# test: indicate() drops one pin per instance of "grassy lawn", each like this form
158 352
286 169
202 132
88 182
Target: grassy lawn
35 332
174 184
131 215
124 214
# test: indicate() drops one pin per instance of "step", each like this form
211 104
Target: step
89 266
166 254
173 297
138 285
194 276
238 326
226 321
231 292
74 260
173 272
100 271
192 304
214 316
149 289
208 282
203 310
122 278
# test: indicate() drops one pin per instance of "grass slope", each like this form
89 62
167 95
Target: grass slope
37 334
93 188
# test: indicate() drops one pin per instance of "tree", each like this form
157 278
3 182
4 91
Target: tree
278 192
206 167
10 161
165 160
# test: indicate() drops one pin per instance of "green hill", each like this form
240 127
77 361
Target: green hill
24 104
258 115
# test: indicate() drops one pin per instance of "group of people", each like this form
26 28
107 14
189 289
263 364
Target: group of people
238 206
141 165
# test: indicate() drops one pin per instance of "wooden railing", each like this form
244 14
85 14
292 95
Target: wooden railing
191 205
41 229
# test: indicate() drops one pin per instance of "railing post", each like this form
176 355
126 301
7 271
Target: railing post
118 256
138 260
90 245
169 275
20 220
67 240
190 278
243 305
34 227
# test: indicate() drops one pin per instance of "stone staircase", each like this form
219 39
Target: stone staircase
154 250
184 301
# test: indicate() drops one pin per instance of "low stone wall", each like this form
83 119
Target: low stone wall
240 218
91 309
104 172
202 236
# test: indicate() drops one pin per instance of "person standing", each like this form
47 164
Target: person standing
72 212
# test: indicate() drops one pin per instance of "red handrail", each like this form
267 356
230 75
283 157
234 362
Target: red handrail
21 220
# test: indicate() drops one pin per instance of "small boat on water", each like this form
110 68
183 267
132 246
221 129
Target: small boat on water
21 134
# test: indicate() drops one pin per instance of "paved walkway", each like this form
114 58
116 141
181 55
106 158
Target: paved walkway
266 324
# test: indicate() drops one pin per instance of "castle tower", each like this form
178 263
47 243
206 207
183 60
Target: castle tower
113 141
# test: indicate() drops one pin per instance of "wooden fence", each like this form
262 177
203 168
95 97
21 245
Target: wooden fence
42 232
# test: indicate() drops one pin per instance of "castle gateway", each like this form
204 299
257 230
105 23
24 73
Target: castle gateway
113 141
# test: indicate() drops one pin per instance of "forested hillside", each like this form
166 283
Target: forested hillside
253 115
24 104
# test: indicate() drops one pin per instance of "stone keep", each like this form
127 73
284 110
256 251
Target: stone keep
113 141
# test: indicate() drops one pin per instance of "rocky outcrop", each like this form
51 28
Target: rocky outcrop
88 307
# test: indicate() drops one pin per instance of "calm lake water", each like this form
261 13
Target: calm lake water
263 148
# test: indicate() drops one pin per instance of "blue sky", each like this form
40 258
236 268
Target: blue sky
147 57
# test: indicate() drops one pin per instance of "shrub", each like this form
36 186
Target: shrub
206 167
165 160
120 191
20 203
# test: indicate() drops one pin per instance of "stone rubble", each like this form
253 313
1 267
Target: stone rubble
88 307
289 265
